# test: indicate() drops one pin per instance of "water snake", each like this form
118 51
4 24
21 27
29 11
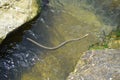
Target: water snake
56 47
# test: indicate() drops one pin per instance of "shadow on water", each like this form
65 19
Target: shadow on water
17 54
9 64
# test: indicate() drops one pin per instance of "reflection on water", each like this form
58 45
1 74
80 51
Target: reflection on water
58 22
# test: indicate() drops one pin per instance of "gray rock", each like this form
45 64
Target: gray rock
98 65
14 13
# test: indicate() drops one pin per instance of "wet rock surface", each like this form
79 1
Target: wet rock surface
98 65
14 13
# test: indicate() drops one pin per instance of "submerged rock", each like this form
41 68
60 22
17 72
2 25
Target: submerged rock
14 13
98 65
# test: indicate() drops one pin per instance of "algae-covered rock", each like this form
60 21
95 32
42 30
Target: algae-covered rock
114 44
98 65
114 41
14 13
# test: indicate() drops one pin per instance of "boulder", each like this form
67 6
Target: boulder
14 13
98 65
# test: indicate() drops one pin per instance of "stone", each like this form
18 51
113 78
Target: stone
98 65
14 13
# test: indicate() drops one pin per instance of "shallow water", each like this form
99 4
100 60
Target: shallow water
58 22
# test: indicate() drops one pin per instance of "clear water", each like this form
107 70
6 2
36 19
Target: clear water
60 21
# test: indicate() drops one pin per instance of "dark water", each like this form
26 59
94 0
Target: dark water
17 54
64 20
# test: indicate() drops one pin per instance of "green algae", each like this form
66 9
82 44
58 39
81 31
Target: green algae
111 41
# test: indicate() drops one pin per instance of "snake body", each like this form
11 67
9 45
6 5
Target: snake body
56 47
